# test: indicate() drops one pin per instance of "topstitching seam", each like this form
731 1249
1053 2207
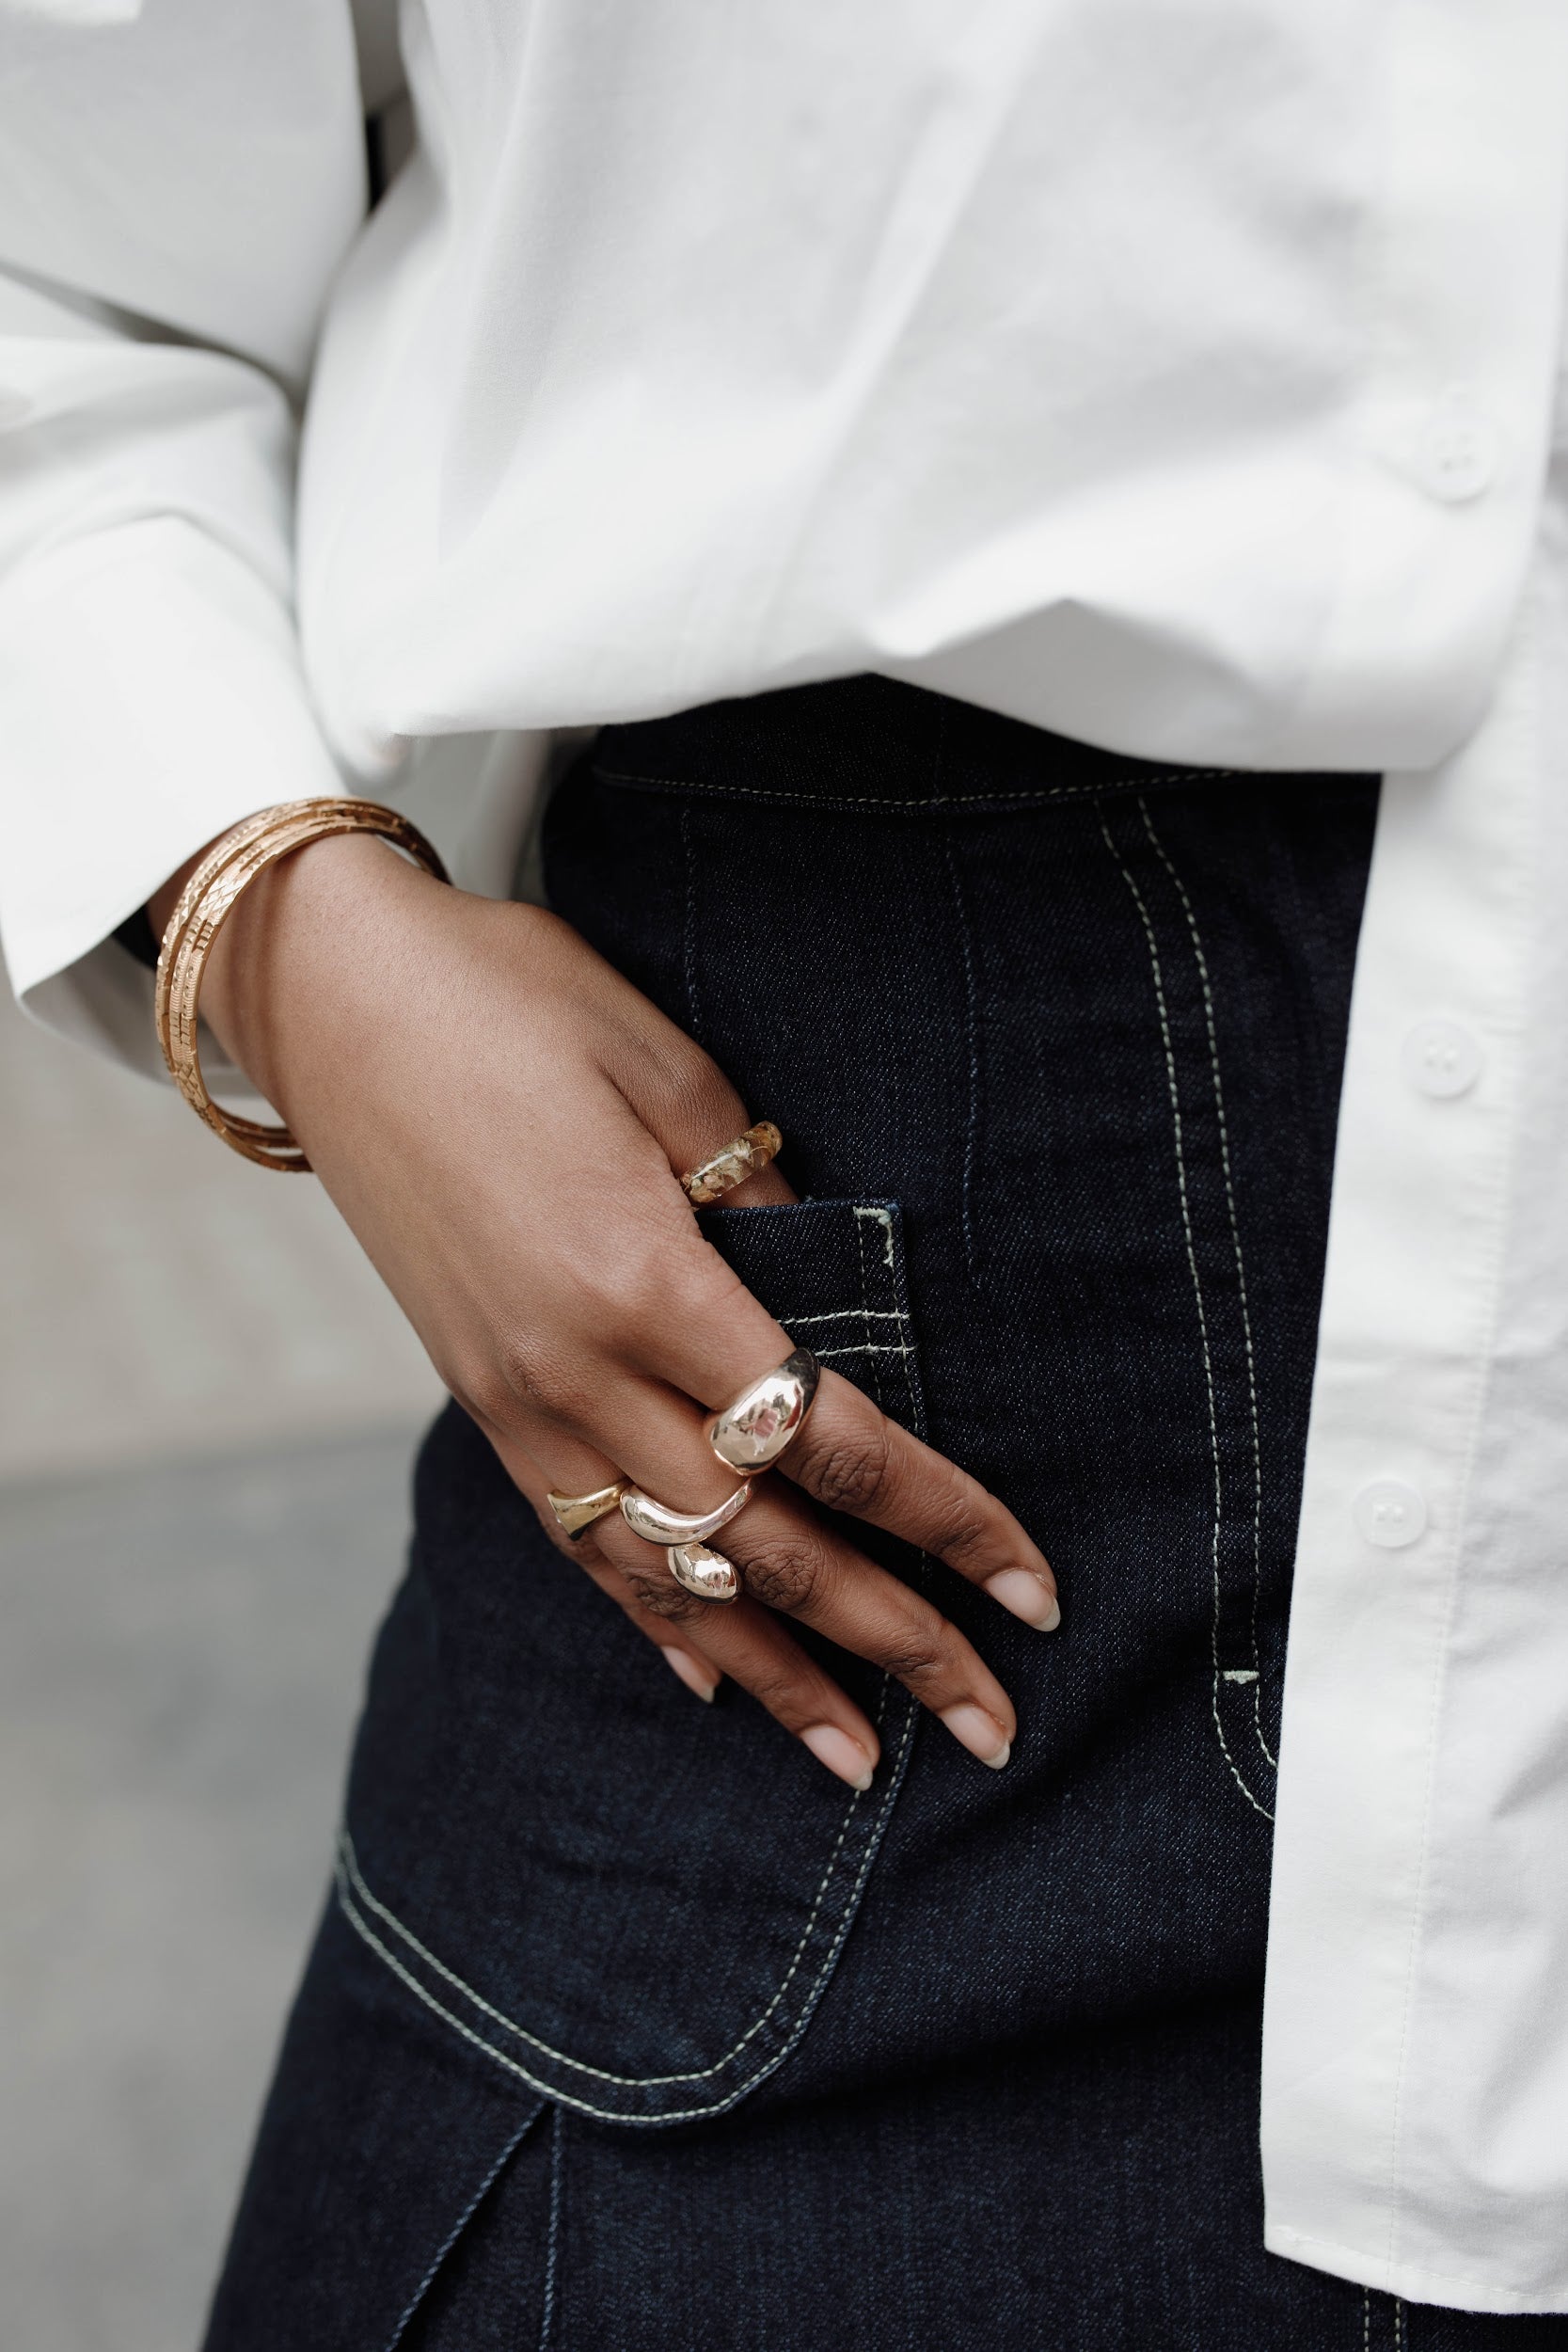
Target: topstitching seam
620 2115
972 1042
838 1315
947 800
1197 1294
461 2224
1162 854
1280 2232
581 2066
546 2316
865 1281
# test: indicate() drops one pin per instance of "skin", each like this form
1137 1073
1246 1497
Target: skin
500 1116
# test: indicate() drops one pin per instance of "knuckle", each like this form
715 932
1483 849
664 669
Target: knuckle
849 1472
632 1283
785 1696
532 1375
787 1576
701 1096
657 1592
713 1286
916 1655
957 1522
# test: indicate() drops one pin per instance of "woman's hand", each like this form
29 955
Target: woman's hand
499 1115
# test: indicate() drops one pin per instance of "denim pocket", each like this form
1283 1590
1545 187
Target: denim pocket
625 1899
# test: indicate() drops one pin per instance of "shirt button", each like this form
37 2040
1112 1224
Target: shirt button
1441 1057
1389 1513
1457 453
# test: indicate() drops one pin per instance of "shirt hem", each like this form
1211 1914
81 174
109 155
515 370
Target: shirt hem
1413 2282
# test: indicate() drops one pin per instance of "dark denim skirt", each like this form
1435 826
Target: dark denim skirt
627 2029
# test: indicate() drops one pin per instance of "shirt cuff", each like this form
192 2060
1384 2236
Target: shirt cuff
153 697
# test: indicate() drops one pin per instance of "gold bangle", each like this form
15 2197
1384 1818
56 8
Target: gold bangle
205 904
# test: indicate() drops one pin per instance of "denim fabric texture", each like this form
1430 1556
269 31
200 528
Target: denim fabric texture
628 2026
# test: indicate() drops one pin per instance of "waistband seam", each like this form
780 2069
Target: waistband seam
782 798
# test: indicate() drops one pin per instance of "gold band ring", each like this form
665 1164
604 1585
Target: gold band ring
575 1512
733 1165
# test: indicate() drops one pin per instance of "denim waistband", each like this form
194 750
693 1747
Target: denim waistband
873 744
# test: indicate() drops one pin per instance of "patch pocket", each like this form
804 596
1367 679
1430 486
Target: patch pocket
627 1900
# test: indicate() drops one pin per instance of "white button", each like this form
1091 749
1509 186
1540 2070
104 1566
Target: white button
1457 451
1441 1057
1391 1513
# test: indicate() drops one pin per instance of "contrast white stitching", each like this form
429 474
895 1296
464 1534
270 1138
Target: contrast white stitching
870 1347
1241 1271
947 799
1365 2319
579 2066
838 1314
882 1217
1197 1294
620 2115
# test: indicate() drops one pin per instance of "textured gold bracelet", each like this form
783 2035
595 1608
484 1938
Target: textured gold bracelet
209 897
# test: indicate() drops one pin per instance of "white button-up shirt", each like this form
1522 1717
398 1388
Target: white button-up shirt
1179 379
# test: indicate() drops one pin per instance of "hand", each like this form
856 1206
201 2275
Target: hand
498 1115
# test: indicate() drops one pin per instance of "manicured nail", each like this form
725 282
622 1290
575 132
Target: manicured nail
841 1755
1027 1595
980 1733
690 1672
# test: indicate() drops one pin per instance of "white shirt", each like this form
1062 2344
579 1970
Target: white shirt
1182 380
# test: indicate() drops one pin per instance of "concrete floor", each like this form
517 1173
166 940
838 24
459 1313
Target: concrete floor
207 1411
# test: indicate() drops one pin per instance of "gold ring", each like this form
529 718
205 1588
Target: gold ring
703 1571
754 1428
733 1165
658 1524
575 1512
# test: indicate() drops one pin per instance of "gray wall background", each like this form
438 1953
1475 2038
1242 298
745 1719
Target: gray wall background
208 1407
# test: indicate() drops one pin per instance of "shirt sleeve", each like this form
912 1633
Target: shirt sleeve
178 184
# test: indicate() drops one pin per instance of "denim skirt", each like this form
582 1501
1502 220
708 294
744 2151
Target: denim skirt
627 2029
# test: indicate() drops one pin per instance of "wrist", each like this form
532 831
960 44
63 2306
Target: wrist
269 974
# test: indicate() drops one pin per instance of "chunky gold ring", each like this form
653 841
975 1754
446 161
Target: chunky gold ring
733 1165
575 1512
658 1524
755 1427
703 1571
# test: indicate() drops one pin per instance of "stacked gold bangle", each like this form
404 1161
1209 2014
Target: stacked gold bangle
230 866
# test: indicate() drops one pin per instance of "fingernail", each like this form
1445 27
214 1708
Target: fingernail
841 1755
679 1662
980 1733
1027 1595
